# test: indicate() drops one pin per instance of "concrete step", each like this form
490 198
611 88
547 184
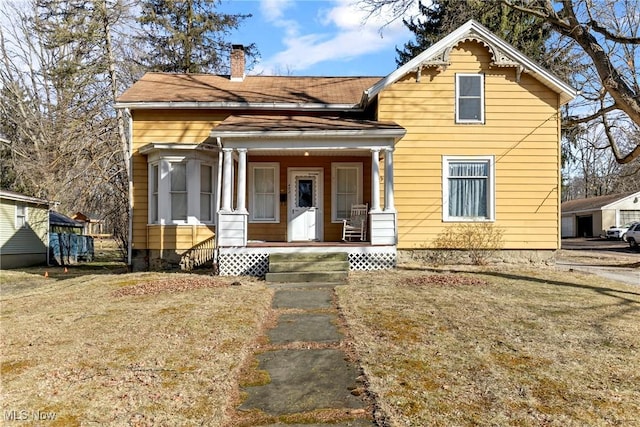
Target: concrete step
309 276
313 257
302 266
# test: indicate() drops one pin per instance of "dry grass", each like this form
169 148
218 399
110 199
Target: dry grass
135 349
515 348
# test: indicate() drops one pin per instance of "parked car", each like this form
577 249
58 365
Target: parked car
633 236
619 232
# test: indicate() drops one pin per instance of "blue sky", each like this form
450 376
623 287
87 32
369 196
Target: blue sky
312 37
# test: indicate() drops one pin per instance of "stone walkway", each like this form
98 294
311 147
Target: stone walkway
307 368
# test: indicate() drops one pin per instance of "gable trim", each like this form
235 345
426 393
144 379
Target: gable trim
622 199
502 54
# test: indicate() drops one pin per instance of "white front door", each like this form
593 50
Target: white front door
304 204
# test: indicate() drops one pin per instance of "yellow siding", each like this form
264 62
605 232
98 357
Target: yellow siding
178 237
169 126
520 130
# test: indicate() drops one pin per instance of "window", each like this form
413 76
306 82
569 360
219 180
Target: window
21 215
346 189
468 189
264 192
178 191
469 98
153 184
181 189
206 193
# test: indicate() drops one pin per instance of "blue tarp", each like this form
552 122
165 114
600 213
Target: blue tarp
66 248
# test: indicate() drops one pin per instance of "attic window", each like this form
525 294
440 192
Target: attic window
469 98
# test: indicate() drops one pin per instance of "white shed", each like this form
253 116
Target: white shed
591 217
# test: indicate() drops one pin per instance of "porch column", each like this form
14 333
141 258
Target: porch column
375 180
227 168
389 205
242 181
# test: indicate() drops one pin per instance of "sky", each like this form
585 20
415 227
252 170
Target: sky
317 37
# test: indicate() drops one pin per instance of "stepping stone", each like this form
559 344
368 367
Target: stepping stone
350 423
302 299
304 380
305 327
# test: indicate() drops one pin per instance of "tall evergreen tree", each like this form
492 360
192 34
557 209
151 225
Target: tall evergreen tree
440 17
187 35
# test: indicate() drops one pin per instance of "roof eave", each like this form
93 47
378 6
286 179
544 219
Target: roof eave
377 133
23 198
167 105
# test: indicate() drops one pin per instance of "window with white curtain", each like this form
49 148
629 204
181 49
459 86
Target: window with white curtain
181 189
346 189
153 185
206 193
264 190
469 98
468 188
178 191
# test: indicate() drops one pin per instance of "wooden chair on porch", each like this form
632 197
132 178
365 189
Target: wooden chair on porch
356 225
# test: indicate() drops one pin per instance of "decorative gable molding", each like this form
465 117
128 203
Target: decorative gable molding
502 55
499 57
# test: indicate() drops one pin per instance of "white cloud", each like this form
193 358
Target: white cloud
273 10
345 33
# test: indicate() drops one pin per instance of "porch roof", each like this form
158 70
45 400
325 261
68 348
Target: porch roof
248 126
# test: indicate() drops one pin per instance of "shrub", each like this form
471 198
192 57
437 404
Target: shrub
479 240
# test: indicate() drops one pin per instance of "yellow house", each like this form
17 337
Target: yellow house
237 167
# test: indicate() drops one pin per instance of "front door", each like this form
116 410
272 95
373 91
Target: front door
304 205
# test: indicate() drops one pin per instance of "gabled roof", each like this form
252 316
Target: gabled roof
595 203
166 90
502 53
61 220
169 90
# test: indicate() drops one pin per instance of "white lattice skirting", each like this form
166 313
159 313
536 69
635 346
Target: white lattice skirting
372 261
243 264
257 264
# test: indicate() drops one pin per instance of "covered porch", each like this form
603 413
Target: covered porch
288 182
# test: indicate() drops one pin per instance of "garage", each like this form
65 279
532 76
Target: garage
592 216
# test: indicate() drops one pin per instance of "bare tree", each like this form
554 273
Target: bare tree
58 83
608 33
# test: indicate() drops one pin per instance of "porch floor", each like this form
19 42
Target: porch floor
256 244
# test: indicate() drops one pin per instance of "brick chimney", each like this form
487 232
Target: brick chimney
237 63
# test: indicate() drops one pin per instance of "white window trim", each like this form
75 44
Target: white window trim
193 162
150 204
491 186
482 99
25 216
212 193
276 171
334 186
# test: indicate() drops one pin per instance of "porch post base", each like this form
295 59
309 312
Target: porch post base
232 229
383 228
